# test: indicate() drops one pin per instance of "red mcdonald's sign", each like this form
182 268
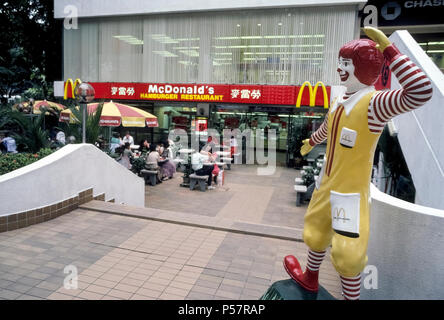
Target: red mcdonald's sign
213 93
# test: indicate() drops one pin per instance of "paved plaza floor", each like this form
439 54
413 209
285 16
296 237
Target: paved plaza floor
173 249
245 196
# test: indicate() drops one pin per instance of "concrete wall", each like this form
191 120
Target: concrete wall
421 132
65 173
97 8
406 246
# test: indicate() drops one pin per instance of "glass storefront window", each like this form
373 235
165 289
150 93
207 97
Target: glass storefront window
291 125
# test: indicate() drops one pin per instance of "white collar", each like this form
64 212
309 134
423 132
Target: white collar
350 102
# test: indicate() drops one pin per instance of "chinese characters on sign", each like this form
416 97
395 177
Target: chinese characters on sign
245 94
123 91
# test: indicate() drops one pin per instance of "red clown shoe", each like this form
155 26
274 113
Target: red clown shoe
308 279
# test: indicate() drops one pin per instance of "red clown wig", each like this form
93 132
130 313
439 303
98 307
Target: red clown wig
367 59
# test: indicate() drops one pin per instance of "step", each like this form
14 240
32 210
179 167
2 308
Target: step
216 223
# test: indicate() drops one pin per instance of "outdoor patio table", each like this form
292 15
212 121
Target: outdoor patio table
135 146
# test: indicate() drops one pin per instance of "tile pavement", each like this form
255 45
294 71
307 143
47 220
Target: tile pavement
33 259
140 259
124 257
245 196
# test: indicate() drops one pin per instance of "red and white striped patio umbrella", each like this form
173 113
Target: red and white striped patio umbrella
116 114
39 104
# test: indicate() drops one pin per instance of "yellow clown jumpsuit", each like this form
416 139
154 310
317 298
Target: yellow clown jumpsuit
347 170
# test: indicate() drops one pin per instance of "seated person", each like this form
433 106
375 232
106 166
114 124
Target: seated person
144 146
100 142
127 154
172 149
168 168
115 142
60 137
205 151
9 143
128 138
197 163
160 148
152 161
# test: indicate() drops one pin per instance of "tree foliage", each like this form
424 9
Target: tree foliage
93 129
27 129
30 42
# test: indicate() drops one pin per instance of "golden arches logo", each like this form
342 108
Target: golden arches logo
73 86
346 138
337 212
312 91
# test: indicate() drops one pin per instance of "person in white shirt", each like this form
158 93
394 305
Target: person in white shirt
197 161
128 138
60 137
9 143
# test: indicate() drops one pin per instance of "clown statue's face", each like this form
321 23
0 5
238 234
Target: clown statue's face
346 71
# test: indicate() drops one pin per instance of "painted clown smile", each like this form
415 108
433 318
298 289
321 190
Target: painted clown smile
345 70
343 75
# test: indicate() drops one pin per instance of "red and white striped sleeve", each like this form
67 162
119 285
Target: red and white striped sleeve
321 134
416 91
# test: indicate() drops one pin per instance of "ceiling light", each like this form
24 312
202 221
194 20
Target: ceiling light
122 37
255 59
187 39
185 48
190 53
165 53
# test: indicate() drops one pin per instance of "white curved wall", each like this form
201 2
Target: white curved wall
65 173
406 246
421 132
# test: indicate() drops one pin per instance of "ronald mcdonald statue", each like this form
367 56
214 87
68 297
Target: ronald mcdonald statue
338 213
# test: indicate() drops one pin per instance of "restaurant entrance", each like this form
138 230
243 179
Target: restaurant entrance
291 125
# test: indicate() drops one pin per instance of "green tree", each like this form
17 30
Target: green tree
30 42
93 129
28 129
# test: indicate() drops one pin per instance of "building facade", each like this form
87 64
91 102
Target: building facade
261 48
